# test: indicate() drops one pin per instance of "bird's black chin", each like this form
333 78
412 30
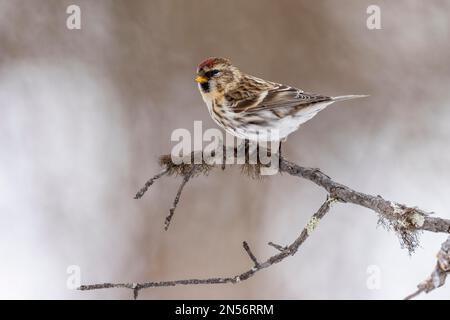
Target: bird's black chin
205 87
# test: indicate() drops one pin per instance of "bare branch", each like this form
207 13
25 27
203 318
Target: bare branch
439 274
289 251
405 221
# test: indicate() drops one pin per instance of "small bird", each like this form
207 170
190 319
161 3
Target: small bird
255 109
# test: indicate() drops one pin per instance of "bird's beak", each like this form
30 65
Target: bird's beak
201 79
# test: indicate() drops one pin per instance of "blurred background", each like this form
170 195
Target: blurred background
84 115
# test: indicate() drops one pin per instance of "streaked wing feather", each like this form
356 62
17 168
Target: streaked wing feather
279 97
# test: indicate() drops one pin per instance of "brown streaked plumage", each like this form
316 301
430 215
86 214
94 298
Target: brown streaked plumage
252 108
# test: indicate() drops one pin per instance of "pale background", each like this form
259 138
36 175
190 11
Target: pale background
85 114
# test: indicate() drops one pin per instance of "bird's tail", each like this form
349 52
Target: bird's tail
352 96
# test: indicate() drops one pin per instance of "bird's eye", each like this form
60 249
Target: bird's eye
211 73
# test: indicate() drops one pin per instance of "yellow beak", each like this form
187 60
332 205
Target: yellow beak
201 79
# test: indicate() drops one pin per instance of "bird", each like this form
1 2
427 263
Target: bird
254 109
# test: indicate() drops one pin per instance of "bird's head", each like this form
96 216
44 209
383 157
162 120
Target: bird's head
216 76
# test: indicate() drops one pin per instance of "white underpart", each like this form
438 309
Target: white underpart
280 128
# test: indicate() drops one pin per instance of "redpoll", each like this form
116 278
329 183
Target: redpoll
255 109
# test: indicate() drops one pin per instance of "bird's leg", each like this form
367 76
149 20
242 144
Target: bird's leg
279 153
224 155
247 150
279 149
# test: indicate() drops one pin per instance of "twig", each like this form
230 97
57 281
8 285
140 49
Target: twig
186 178
277 246
250 253
289 251
415 294
147 185
439 274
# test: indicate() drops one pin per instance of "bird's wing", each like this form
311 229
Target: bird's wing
280 98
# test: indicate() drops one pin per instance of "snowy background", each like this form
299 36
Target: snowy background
84 114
